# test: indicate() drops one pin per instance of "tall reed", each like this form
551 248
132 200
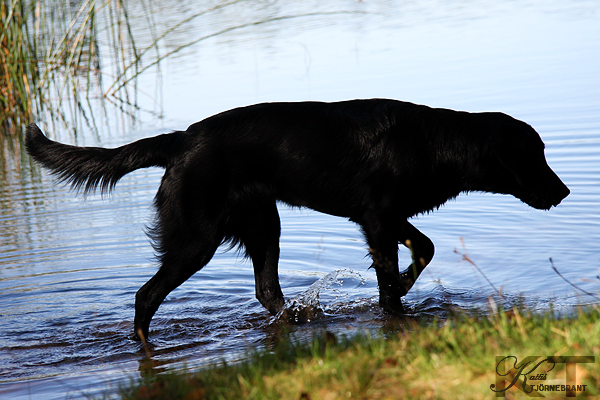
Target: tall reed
50 60
15 74
51 68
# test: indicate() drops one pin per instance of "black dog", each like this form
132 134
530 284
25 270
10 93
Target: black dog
376 162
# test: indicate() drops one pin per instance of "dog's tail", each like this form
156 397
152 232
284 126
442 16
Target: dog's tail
87 168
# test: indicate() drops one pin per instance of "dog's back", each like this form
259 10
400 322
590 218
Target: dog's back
325 156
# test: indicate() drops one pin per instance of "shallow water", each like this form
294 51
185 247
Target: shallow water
70 267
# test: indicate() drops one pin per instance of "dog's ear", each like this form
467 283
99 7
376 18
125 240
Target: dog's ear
510 145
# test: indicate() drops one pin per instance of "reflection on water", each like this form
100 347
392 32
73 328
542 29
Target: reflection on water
70 267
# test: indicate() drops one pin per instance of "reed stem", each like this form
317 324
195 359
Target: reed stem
50 60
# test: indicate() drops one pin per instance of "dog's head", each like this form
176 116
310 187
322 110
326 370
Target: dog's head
519 166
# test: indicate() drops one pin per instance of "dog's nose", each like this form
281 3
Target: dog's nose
561 194
564 191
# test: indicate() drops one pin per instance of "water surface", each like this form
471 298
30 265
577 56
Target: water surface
70 267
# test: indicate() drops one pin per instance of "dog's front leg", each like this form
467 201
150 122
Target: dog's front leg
383 246
383 237
422 250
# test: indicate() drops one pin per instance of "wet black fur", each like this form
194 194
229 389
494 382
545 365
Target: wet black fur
376 162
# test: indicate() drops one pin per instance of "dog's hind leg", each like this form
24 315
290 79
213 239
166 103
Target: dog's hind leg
189 229
422 252
258 227
174 271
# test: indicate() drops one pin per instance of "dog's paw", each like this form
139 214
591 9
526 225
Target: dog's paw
390 306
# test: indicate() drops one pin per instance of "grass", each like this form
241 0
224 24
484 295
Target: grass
450 359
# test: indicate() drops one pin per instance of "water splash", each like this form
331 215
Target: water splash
309 306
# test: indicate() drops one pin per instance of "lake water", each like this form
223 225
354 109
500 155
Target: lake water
70 267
